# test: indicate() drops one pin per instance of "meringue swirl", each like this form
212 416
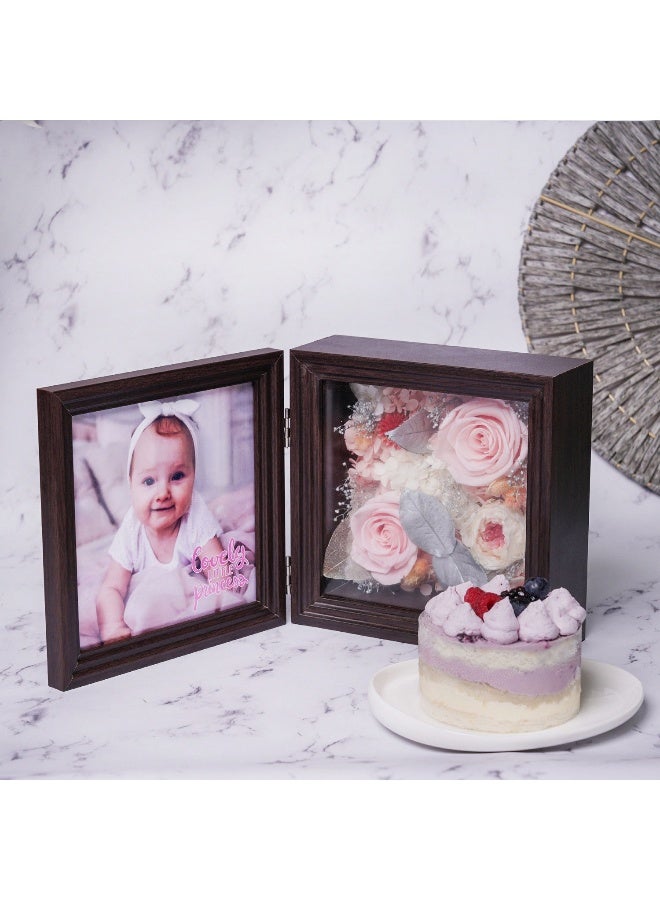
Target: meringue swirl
500 623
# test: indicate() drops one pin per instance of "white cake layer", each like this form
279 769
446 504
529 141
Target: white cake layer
522 656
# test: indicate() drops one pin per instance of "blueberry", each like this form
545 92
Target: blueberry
538 587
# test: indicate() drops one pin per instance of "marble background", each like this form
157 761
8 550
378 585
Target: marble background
125 245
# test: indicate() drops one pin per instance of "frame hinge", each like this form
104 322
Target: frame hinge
287 561
287 428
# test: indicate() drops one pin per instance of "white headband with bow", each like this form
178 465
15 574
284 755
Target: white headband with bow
152 410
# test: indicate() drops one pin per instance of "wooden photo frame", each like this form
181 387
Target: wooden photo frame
101 450
340 381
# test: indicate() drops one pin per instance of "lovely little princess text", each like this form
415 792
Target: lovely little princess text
222 571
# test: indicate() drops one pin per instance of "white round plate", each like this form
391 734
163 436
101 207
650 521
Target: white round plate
610 696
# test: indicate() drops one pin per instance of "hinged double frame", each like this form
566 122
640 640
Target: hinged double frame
326 378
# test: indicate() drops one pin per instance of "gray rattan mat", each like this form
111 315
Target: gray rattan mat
589 284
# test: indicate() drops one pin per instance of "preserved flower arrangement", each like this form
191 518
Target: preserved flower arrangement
435 491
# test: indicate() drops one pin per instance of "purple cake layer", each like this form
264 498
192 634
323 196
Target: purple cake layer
544 680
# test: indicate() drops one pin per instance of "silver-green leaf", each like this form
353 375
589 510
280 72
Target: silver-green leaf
459 567
427 523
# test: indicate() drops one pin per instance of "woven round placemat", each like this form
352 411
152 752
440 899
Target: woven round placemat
589 284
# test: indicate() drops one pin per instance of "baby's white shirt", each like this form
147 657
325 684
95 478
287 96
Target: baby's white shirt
131 548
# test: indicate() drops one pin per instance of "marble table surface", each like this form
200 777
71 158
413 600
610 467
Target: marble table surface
128 245
292 702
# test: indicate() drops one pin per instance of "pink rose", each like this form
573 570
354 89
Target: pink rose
380 545
479 441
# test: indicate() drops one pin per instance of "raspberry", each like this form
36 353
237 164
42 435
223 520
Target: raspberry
481 601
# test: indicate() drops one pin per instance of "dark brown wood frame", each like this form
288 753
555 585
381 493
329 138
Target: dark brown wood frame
559 393
68 665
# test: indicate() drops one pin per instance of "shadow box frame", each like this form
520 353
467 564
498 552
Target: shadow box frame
69 666
559 393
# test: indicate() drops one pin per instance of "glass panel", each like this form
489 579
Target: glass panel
164 509
422 490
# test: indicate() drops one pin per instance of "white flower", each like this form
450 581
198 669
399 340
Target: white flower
495 535
402 470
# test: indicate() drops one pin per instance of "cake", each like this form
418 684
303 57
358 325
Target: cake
499 659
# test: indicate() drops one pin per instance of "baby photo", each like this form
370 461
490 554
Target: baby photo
164 502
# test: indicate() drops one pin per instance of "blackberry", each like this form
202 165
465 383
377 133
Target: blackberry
519 598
